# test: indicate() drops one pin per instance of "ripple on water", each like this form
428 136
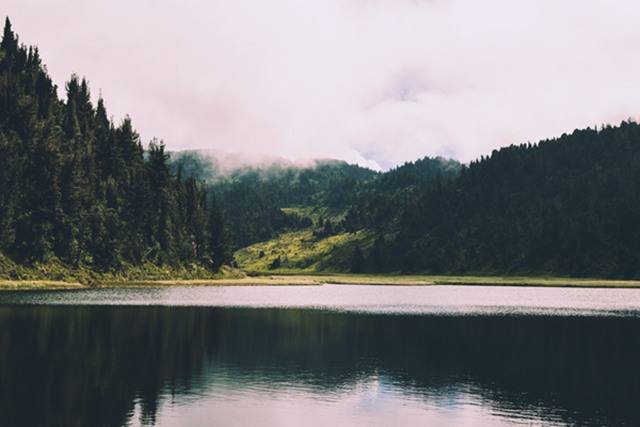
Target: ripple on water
427 300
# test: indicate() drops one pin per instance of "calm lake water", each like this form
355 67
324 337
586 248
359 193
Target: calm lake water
322 355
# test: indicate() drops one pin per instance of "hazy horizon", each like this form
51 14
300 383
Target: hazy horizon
373 82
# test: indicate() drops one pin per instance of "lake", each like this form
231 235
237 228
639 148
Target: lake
320 355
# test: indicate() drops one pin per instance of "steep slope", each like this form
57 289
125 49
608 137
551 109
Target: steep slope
567 206
257 199
78 192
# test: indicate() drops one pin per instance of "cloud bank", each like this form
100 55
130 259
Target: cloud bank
376 82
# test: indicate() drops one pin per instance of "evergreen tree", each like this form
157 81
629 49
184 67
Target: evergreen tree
9 44
219 242
277 263
358 261
39 210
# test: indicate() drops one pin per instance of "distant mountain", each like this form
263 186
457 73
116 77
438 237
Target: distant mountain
253 194
211 165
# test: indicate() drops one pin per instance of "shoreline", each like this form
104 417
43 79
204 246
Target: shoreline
338 279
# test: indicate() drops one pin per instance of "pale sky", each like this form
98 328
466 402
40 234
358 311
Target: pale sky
375 82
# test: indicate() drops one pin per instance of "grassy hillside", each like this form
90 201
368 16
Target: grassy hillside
57 274
309 249
300 251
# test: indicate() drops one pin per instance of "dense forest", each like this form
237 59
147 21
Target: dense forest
566 206
253 196
77 189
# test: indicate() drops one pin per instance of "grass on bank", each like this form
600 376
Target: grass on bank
55 274
307 258
34 285
430 280
319 279
302 252
305 262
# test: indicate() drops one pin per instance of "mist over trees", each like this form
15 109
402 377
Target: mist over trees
252 197
77 188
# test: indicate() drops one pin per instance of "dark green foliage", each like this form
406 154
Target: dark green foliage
358 261
219 242
378 203
379 259
326 228
9 45
253 198
77 188
567 206
277 263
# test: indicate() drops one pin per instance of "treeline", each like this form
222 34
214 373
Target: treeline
252 198
378 203
76 187
566 206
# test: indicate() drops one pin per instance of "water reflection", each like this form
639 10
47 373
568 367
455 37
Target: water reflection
191 366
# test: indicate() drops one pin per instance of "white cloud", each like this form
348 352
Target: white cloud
376 81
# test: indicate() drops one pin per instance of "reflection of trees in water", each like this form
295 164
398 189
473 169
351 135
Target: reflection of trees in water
86 366
89 365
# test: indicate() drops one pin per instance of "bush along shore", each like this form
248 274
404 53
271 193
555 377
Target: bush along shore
56 276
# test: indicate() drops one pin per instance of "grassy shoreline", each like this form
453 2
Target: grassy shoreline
320 279
522 281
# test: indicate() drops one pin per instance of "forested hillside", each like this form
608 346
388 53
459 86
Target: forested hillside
78 189
256 198
312 217
567 206
378 204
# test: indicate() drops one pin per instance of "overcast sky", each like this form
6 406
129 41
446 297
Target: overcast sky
377 82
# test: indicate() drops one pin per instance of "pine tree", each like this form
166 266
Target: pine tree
358 261
39 210
219 241
9 44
